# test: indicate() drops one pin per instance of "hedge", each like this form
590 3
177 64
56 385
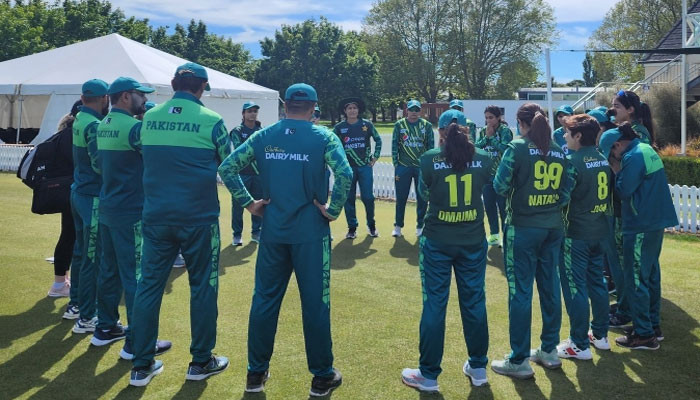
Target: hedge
682 170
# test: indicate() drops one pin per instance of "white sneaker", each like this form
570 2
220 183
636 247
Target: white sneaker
414 379
85 325
568 349
419 232
237 241
396 232
476 375
179 261
600 344
63 291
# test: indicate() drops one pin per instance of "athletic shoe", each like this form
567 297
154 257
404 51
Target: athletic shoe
494 240
141 376
103 337
628 330
62 291
255 382
352 233
161 347
323 386
618 321
476 375
179 261
255 238
419 232
613 309
568 349
373 231
396 232
49 260
600 344
85 325
611 289
200 371
548 360
636 342
237 241
72 312
508 368
415 379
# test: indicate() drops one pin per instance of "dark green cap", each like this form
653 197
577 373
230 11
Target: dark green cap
193 69
413 104
249 104
123 84
95 88
301 92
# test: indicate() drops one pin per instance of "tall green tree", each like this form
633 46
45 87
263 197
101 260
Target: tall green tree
590 75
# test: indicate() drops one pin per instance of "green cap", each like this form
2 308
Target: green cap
123 84
600 116
149 104
566 109
95 88
457 104
607 140
250 104
193 69
301 92
449 116
413 104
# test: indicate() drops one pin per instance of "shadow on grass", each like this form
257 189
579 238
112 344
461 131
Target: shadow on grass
233 256
403 249
174 274
481 392
191 390
254 396
347 252
38 317
494 258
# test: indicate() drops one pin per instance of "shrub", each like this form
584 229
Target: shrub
682 170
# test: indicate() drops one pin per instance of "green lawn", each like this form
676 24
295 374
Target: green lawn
376 306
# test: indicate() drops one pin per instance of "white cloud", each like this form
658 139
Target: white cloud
575 37
579 11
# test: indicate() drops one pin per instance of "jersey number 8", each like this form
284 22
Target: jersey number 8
602 185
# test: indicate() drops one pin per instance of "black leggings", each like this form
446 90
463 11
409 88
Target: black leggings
63 253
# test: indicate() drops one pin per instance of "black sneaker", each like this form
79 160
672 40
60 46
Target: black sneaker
141 376
373 231
200 371
659 335
352 233
636 342
618 321
613 308
161 347
256 381
103 337
322 386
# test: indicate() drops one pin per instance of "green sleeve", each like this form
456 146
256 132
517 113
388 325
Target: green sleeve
377 143
91 141
629 178
221 141
338 163
231 167
482 141
395 145
424 180
504 175
568 184
506 136
430 137
135 137
235 139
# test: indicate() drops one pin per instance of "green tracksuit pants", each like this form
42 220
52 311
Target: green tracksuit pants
365 178
121 262
615 261
581 274
643 279
402 183
437 261
310 263
254 186
86 218
532 254
200 247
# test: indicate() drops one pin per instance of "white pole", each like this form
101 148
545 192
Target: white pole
19 122
684 77
550 112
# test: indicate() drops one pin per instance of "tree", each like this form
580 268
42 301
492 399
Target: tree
575 83
513 76
590 75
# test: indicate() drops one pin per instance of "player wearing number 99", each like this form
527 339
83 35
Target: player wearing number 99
585 241
532 176
451 179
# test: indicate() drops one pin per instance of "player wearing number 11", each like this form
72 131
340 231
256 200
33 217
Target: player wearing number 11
532 176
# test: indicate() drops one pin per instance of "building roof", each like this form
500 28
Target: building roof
672 40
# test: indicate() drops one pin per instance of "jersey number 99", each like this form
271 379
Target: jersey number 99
547 175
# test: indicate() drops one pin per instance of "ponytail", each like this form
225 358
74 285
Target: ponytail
627 132
458 150
642 112
540 133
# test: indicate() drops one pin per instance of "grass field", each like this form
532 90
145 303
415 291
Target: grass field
376 306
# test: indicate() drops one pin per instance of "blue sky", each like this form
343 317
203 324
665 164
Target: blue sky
249 21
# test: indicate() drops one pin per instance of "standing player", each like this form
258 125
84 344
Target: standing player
628 107
452 178
412 136
85 201
292 156
355 134
562 112
581 261
249 175
532 175
494 139
647 209
459 106
183 143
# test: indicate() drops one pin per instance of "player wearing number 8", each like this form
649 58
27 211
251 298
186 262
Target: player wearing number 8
451 179
533 179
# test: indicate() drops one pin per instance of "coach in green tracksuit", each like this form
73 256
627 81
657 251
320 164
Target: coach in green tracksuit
355 134
183 143
85 201
452 178
249 175
533 178
647 209
292 156
412 136
558 135
581 261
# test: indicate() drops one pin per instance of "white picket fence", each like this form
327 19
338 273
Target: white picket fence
685 199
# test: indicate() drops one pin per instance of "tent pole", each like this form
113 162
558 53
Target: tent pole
19 122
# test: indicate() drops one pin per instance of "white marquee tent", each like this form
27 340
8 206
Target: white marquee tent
40 88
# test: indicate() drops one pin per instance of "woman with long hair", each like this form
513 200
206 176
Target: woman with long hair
451 179
629 108
533 177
